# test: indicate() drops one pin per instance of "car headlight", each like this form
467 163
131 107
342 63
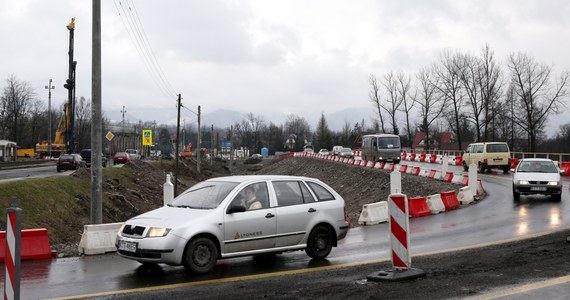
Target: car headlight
553 183
157 232
523 182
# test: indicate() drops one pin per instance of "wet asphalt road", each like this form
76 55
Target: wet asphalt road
492 219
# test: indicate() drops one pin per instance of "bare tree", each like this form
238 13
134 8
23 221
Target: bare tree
374 96
430 102
249 130
83 122
469 68
15 101
491 89
404 86
536 97
449 85
394 100
300 128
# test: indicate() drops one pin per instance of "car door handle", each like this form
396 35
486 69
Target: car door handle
269 215
312 210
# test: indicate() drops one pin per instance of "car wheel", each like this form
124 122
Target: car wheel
320 242
481 168
506 170
58 170
516 196
200 255
465 167
557 198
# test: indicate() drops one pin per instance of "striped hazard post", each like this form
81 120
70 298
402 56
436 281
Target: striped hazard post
399 243
12 247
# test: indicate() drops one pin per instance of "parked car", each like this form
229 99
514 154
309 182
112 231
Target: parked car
121 158
488 155
70 162
86 154
218 218
346 152
537 176
324 152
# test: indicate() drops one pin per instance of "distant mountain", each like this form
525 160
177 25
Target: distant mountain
224 118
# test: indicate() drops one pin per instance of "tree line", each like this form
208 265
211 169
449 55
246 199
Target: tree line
472 96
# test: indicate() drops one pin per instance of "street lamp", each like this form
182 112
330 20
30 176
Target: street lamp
49 87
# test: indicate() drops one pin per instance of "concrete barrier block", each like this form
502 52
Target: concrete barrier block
99 239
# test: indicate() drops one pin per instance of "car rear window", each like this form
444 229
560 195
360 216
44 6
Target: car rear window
322 193
492 148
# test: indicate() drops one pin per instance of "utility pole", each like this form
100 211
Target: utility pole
199 146
49 87
211 144
96 127
123 135
177 146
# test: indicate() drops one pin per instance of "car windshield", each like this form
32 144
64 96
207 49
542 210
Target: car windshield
537 167
345 150
204 195
388 143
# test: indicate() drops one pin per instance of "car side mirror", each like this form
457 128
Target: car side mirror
236 209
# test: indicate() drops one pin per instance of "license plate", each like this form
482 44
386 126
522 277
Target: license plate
127 246
538 188
497 159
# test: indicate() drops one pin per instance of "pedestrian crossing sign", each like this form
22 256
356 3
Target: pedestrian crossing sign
147 137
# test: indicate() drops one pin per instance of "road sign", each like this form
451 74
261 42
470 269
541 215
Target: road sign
109 136
147 137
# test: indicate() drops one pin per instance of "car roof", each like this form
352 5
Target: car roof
248 178
536 159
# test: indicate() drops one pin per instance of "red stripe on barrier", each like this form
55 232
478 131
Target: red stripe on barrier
448 177
403 168
398 232
418 207
416 171
423 157
432 158
450 200
392 166
465 180
397 261
431 174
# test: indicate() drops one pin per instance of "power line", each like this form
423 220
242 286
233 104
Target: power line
133 25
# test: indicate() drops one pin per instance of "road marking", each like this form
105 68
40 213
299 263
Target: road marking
341 266
510 291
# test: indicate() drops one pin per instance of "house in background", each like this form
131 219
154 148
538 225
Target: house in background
437 141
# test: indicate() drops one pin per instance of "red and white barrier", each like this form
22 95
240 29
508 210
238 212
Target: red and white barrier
449 200
465 195
399 228
12 250
418 207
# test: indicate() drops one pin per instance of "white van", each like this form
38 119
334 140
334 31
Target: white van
133 153
487 156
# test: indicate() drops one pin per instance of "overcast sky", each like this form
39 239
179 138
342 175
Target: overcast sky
301 57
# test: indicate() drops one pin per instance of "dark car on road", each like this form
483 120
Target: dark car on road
121 158
70 162
86 154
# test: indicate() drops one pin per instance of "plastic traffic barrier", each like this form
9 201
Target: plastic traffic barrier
374 213
465 196
403 168
431 174
392 167
418 207
457 179
465 180
416 171
459 160
435 204
565 166
514 162
99 239
413 157
433 158
450 200
34 245
423 157
448 176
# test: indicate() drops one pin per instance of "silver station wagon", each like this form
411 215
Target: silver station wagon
235 216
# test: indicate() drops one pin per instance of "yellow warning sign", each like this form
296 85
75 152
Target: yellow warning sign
147 137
